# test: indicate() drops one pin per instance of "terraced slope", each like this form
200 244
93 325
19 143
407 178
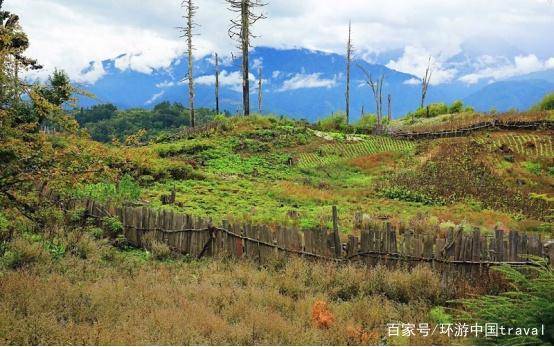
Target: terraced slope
533 145
342 150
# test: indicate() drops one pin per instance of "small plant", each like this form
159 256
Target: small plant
439 315
159 250
76 215
113 226
532 167
321 315
22 252
56 250
403 194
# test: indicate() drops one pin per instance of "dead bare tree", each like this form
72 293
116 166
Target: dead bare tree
425 82
389 109
187 30
377 90
259 90
216 84
240 31
349 49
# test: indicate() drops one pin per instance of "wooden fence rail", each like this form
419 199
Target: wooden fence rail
457 251
493 124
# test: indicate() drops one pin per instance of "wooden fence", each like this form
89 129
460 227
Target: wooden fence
493 124
457 251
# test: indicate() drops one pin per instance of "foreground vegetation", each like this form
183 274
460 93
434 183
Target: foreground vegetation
63 280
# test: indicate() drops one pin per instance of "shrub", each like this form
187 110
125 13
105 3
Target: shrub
529 304
403 194
456 107
336 121
126 190
22 252
159 250
81 244
321 315
546 104
112 226
367 121
4 224
532 167
431 110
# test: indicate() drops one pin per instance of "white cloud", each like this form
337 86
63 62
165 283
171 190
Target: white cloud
415 60
300 81
413 81
256 63
76 32
233 80
155 97
165 84
91 74
520 66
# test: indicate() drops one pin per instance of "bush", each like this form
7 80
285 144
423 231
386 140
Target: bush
546 104
532 167
4 224
125 191
456 107
367 121
403 194
429 111
159 250
112 226
530 304
81 245
22 252
336 121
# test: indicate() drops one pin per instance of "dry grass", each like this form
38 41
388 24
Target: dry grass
121 299
304 192
370 162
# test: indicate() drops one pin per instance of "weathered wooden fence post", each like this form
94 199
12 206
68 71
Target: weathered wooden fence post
336 233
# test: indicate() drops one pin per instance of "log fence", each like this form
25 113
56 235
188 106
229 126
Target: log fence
493 124
455 252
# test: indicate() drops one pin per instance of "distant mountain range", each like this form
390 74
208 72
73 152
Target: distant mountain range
303 84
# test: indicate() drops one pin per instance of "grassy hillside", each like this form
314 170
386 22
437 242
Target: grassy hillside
275 170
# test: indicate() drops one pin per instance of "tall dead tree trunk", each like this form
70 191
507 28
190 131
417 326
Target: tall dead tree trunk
190 10
348 62
245 45
377 90
425 82
260 90
240 31
389 109
216 84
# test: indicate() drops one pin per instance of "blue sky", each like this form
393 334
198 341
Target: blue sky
497 38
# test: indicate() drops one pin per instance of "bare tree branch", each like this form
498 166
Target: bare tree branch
240 31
